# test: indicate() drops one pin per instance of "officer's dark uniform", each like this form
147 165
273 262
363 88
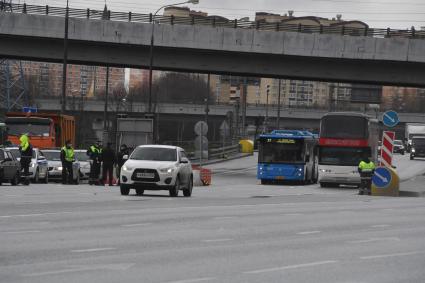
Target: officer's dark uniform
366 170
26 155
108 159
67 158
94 152
120 159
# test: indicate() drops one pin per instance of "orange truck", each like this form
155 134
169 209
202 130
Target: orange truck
45 130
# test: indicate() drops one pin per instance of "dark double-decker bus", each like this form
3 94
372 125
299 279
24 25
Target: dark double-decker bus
344 139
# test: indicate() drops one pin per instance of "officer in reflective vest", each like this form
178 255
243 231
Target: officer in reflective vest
95 153
366 170
67 158
25 149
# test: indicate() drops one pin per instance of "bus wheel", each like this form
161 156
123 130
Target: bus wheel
264 182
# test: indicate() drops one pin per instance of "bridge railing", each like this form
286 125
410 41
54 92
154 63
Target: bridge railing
209 21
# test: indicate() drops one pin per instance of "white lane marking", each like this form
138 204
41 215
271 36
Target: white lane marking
35 214
117 267
193 280
311 264
93 250
216 240
380 226
136 225
391 255
374 240
308 232
21 232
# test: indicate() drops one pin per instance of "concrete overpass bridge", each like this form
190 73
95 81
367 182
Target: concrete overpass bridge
246 50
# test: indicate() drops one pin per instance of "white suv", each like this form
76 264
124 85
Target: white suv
157 167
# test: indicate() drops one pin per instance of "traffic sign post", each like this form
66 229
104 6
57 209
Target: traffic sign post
390 119
385 182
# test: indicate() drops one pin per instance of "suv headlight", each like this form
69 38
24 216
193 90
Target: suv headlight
325 170
59 168
32 164
127 168
167 170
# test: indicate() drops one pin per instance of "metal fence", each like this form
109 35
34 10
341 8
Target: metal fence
209 21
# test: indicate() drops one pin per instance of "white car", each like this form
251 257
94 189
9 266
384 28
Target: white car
157 167
53 157
38 168
84 160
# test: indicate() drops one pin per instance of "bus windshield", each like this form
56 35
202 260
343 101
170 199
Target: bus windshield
342 156
281 150
347 127
30 129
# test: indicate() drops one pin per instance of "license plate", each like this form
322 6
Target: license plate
280 178
145 175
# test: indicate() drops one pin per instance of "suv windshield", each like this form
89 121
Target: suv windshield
154 154
52 155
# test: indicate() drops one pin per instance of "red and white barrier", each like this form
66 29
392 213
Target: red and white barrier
387 149
201 176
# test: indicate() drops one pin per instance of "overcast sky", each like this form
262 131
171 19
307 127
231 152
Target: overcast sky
376 13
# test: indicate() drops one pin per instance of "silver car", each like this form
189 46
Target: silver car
38 166
53 157
84 160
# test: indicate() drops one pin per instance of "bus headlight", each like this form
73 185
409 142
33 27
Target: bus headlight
300 169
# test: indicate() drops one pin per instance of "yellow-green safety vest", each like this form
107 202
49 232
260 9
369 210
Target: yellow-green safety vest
24 142
69 153
95 149
366 167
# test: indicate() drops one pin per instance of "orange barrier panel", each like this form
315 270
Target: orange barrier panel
205 175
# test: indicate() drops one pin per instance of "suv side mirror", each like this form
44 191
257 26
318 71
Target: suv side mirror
125 157
184 160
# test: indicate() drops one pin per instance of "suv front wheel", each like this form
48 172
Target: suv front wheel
188 191
125 190
174 191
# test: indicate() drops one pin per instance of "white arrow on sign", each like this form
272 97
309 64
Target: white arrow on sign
389 117
384 179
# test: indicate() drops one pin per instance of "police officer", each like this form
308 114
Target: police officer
366 170
108 159
25 149
124 150
67 158
95 152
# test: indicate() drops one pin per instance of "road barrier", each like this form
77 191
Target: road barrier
201 176
224 152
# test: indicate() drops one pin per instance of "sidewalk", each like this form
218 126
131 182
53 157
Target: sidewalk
414 187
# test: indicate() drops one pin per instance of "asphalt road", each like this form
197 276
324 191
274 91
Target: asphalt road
233 231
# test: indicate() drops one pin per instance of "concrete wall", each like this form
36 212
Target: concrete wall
391 61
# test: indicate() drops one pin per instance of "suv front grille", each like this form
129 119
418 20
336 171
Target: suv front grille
135 178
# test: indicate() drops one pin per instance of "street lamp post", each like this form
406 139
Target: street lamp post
65 60
152 45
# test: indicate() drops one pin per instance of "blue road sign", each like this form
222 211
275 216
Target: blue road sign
382 177
29 109
390 118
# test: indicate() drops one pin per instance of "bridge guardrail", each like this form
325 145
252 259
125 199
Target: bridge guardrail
211 21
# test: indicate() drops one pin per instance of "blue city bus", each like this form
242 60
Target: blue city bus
287 155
